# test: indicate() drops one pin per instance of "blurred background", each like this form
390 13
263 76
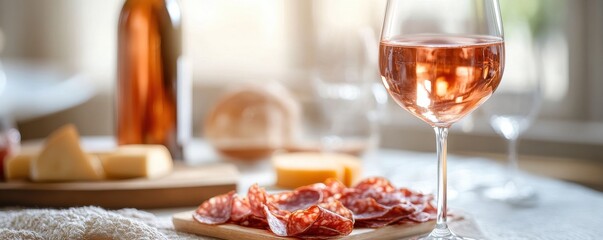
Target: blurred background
59 60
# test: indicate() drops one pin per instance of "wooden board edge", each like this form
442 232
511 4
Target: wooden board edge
230 175
112 185
392 232
184 222
114 199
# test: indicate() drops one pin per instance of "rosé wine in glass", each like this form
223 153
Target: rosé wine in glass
440 60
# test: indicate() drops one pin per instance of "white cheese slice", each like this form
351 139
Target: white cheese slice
62 159
130 161
17 167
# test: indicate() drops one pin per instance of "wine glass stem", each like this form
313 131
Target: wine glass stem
441 148
512 165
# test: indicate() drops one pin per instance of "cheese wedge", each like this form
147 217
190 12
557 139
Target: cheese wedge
62 159
299 169
17 167
352 168
130 161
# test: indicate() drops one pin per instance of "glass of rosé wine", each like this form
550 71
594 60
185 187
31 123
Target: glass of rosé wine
440 60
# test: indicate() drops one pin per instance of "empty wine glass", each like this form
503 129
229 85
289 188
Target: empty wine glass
440 60
512 109
343 78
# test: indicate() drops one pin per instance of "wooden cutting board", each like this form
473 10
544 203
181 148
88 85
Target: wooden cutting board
184 187
184 222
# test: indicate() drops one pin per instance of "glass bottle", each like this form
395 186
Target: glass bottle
149 74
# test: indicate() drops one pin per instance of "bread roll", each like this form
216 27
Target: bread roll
252 121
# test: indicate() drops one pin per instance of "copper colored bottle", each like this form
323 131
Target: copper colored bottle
149 50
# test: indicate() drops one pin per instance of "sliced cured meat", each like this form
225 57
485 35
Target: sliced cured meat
320 211
253 221
376 203
336 206
302 220
276 221
392 215
216 210
257 198
335 188
367 208
379 189
301 198
317 221
420 217
377 184
240 209
241 214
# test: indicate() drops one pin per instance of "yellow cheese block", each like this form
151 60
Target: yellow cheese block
62 159
17 167
299 169
130 161
352 168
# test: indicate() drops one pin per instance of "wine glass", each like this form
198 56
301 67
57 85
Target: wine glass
440 60
345 91
512 109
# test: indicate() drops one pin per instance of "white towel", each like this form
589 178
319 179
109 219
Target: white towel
131 224
85 223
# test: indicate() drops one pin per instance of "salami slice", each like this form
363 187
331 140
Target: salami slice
415 197
241 214
320 211
379 189
216 210
240 209
335 188
393 214
318 222
377 184
376 203
374 223
253 221
257 199
420 217
337 207
302 220
276 220
362 202
301 198
367 208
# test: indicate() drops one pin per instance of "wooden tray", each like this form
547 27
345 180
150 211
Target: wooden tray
184 187
184 222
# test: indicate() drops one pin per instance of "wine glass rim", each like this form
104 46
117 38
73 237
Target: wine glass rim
462 39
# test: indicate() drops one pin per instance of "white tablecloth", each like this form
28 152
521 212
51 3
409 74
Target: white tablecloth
563 210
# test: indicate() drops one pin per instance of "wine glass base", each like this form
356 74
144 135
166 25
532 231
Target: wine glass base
513 194
442 234
454 237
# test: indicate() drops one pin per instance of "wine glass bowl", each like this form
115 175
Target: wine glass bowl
440 60
343 78
446 77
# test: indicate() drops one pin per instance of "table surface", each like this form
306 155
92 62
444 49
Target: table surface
563 210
